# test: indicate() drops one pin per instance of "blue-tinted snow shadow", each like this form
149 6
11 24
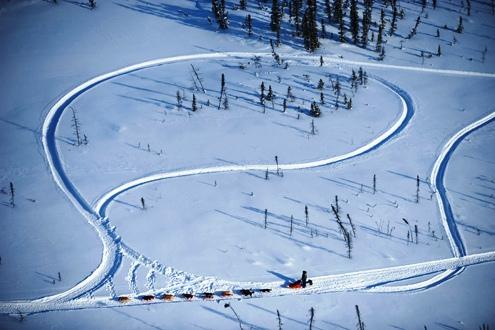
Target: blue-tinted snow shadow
234 319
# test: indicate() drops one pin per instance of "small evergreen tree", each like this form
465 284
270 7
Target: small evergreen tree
321 84
269 95
315 110
460 27
221 15
194 107
381 57
92 4
341 31
178 97
379 39
328 10
12 194
262 92
439 51
393 23
290 96
242 4
249 25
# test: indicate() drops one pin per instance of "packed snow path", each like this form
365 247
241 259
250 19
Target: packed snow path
114 249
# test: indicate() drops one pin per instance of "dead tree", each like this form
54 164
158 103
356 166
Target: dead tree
143 205
179 100
235 313
348 241
374 184
337 203
266 218
311 317
12 195
76 126
417 188
195 74
279 320
222 91
306 213
352 225
276 161
291 223
416 232
360 324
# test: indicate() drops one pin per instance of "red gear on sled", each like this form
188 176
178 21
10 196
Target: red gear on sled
295 285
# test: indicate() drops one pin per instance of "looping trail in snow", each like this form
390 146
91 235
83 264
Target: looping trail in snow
113 249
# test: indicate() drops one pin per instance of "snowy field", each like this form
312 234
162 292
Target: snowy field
162 200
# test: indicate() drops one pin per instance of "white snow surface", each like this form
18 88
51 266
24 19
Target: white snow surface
202 174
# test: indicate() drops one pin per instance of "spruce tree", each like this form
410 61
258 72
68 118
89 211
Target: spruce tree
194 106
460 27
275 16
309 27
323 34
321 84
393 24
338 15
341 31
354 21
379 39
366 22
328 10
262 92
12 194
439 51
242 4
296 13
381 57
221 15
382 19
315 110
365 30
249 25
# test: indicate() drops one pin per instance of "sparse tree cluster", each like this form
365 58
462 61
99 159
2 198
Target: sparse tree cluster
220 14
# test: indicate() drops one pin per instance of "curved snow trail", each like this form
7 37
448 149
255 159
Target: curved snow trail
437 179
365 280
333 59
407 111
112 247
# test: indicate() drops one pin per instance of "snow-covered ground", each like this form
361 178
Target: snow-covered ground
203 226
